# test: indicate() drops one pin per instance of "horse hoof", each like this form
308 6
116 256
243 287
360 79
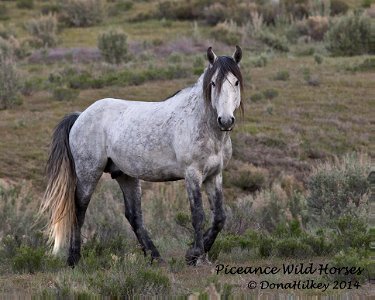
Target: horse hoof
192 256
203 260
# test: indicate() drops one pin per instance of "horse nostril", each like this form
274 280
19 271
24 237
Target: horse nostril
219 120
233 119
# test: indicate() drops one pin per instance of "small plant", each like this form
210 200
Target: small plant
338 7
82 13
367 3
350 35
64 94
256 97
43 30
227 32
249 178
25 4
273 41
4 12
318 59
260 61
9 82
282 75
113 46
270 94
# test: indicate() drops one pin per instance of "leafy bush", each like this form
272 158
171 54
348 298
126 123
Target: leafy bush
27 4
9 82
4 12
227 32
64 94
270 94
350 232
351 258
180 10
256 97
338 189
82 13
350 35
292 247
30 260
275 42
113 46
43 30
249 178
338 7
367 65
215 13
50 8
282 75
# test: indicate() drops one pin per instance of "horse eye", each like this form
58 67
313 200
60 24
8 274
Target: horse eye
237 82
213 84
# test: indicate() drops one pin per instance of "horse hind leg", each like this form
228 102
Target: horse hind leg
86 183
131 189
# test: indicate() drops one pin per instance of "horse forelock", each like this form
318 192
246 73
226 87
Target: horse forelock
223 66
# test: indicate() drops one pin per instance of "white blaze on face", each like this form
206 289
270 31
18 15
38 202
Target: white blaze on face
227 101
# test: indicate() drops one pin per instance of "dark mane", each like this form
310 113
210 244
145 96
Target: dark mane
224 65
172 95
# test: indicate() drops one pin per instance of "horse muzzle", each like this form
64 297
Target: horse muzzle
226 123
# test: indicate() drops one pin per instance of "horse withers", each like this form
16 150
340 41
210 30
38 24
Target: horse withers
183 137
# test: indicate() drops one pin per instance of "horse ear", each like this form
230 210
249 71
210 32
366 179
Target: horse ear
211 56
237 55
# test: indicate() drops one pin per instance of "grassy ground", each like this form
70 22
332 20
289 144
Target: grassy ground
319 112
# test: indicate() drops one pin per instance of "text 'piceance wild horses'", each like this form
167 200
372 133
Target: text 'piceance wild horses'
183 137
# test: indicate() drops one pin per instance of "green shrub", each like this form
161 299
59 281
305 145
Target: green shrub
227 32
130 277
9 82
50 8
275 42
336 189
338 7
180 10
215 13
367 65
351 258
350 232
64 94
367 3
26 4
292 247
266 246
260 61
43 30
270 94
113 46
4 12
256 97
282 75
350 35
32 260
120 7
318 59
320 243
249 179
82 13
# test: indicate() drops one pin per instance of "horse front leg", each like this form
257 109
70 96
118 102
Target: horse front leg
215 196
193 186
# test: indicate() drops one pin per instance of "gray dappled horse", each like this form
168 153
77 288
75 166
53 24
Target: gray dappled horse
183 137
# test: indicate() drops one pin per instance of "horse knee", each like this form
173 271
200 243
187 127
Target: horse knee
220 220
